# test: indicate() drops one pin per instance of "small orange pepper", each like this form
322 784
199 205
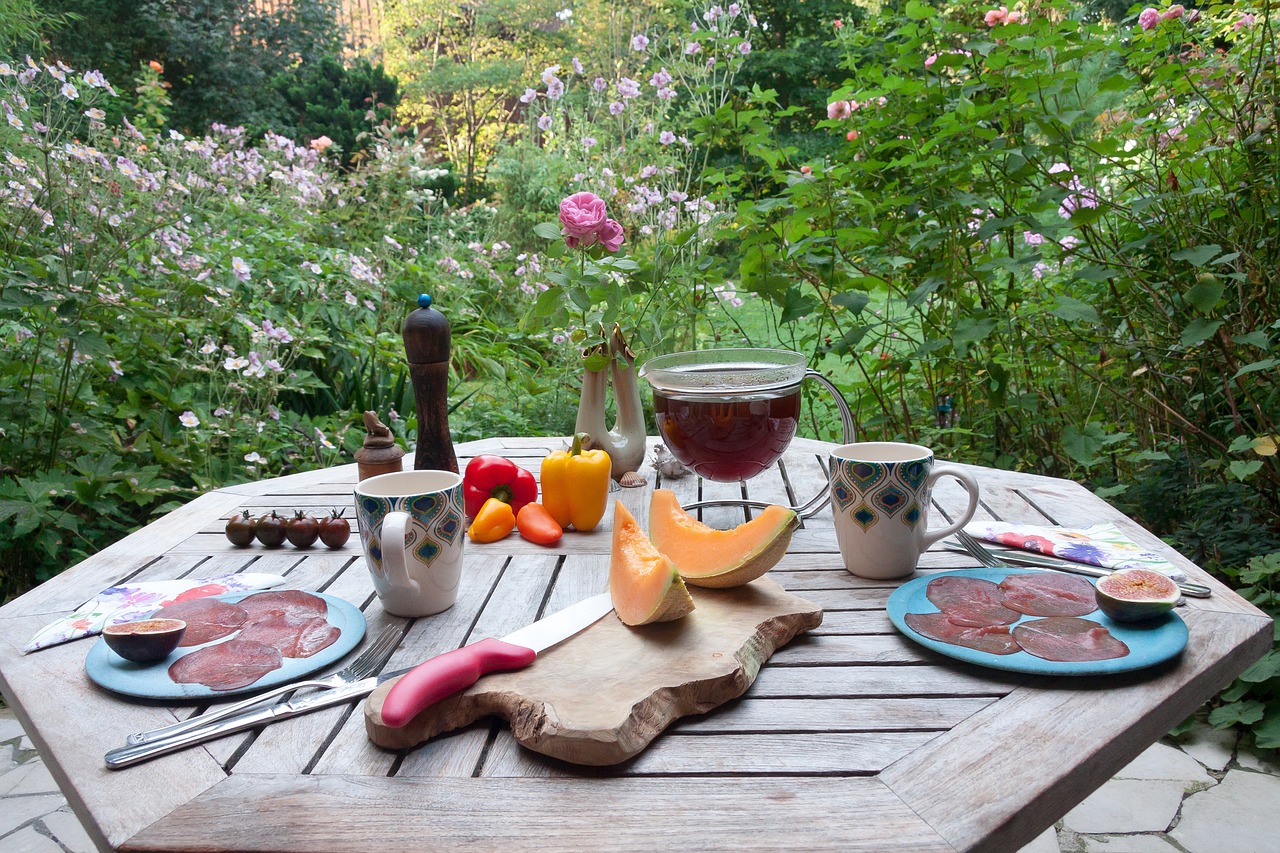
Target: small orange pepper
536 524
493 522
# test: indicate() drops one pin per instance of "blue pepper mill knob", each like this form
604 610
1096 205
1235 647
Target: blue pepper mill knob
426 336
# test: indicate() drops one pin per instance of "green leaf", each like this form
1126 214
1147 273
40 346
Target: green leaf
1198 255
918 11
547 230
797 305
1237 712
1244 470
1199 330
1205 296
854 300
1256 338
1267 733
1074 310
1265 364
1267 668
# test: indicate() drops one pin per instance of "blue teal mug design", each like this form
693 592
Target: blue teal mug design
880 494
412 530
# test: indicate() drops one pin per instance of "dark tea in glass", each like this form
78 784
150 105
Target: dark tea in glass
728 414
729 439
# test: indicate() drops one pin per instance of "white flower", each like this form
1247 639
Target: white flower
188 419
69 92
240 268
253 458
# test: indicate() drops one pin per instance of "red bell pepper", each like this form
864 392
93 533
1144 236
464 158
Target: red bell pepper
488 476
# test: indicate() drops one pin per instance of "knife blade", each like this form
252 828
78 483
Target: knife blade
446 674
473 658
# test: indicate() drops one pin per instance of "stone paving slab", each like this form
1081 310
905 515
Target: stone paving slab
1204 793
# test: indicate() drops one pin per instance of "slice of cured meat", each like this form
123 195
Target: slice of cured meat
1066 638
994 639
295 602
207 619
971 602
1046 594
226 666
295 637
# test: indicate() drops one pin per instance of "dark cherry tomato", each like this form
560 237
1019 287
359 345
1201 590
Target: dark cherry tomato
240 530
302 530
335 530
270 530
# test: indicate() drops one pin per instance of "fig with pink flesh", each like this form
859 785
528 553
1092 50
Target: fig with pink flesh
1136 595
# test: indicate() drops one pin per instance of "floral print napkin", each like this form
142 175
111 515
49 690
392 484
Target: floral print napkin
130 601
1102 545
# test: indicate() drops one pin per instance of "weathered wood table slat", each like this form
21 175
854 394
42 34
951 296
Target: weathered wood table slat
853 738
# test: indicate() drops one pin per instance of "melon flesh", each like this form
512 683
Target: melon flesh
643 583
708 557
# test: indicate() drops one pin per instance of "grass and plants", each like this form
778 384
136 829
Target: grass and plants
1057 218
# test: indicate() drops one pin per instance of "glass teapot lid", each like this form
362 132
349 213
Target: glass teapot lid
715 372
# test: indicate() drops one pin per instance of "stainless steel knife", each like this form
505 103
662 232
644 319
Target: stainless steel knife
1042 561
428 682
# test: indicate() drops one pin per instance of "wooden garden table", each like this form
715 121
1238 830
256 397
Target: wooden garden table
853 738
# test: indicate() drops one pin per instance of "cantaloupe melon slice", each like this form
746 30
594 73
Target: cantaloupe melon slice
705 556
644 584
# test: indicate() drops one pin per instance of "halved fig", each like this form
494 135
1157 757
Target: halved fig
1136 595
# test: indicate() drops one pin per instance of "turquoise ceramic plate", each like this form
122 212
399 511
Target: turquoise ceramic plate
151 680
1149 643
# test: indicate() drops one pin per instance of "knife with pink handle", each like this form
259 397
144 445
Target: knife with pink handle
449 673
417 689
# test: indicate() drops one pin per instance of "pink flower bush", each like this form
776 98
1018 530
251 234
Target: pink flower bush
1001 16
585 221
1149 18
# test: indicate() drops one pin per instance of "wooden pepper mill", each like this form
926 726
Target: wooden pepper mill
426 344
380 454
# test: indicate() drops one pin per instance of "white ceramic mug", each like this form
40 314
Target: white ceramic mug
412 529
880 492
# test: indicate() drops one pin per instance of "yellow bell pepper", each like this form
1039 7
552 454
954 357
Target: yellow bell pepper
575 485
494 521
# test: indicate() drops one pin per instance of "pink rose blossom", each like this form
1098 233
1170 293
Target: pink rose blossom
1246 21
839 109
994 17
610 235
582 215
1172 13
1148 18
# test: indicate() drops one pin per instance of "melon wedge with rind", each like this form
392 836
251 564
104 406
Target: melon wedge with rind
1136 595
643 582
719 559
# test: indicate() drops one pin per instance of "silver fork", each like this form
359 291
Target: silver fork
367 663
987 557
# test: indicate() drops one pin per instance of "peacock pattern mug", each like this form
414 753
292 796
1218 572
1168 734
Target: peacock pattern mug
880 493
412 529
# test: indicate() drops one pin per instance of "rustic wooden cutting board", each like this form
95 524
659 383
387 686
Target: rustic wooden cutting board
600 697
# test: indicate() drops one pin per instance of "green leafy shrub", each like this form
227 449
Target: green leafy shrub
338 102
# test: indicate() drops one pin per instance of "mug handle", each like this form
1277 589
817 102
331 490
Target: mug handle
395 529
970 485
